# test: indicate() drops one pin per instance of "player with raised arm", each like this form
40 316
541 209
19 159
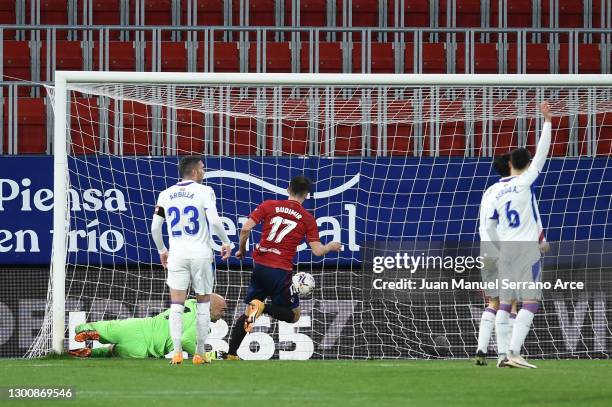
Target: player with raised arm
285 224
512 216
489 273
187 208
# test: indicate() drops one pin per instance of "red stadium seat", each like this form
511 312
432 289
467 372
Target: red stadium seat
31 126
399 133
589 58
84 127
571 13
136 128
313 13
277 58
262 13
106 12
538 58
7 16
243 137
330 57
121 56
53 12
468 13
210 12
68 57
519 13
382 61
190 131
434 58
485 58
226 57
173 57
416 13
16 61
348 138
365 13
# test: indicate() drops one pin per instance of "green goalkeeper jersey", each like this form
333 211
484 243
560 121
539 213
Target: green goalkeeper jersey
146 337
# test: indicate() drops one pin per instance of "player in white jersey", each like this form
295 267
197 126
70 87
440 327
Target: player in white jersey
187 208
512 220
489 272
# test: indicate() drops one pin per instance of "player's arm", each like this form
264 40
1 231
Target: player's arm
489 240
537 164
544 246
159 217
244 236
216 224
312 236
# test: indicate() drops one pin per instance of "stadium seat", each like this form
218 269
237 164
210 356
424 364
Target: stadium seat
468 13
365 13
519 13
226 57
485 58
313 13
434 58
68 57
7 16
121 56
105 13
399 132
571 13
277 58
84 127
31 126
136 128
158 13
210 12
16 61
190 131
330 57
173 57
53 12
382 61
589 58
243 138
348 138
416 13
538 58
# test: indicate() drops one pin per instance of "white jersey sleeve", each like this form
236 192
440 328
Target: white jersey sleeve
537 164
488 215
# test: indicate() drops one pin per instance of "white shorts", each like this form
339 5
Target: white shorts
490 275
198 272
523 275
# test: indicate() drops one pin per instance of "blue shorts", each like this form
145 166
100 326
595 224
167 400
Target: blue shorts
273 283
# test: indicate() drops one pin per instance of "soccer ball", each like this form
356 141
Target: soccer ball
303 283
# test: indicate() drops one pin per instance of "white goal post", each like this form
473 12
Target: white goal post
78 81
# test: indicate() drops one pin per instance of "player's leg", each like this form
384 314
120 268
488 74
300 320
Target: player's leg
203 279
530 305
178 281
487 323
285 304
255 294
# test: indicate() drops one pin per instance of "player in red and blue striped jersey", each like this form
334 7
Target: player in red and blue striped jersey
285 224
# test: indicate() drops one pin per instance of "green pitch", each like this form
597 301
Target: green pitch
115 382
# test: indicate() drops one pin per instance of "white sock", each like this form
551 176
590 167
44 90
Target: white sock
502 327
511 322
520 331
487 323
202 326
176 326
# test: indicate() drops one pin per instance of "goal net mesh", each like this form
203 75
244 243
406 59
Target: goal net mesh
395 169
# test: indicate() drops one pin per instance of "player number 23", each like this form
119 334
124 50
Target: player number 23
277 236
191 228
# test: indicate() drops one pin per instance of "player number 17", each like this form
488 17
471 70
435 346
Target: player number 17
277 236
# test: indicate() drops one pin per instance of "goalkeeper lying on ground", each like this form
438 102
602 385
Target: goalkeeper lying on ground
143 337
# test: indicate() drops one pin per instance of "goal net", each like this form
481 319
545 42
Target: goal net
397 168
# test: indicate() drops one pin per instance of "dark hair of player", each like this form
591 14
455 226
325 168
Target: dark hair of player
188 164
300 186
520 158
500 163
